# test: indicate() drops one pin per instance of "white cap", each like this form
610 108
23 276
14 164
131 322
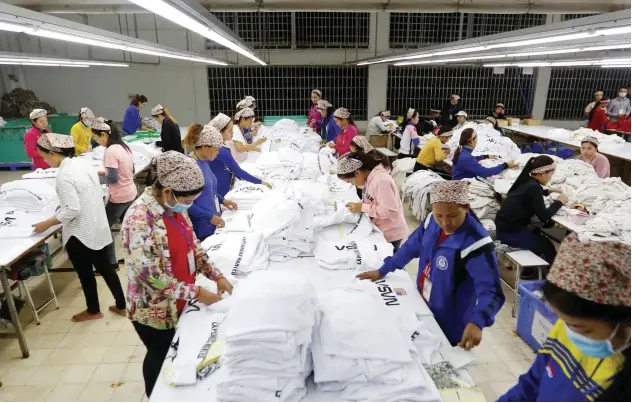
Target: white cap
455 97
157 110
461 113
37 113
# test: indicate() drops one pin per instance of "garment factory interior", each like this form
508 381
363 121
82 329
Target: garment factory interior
285 200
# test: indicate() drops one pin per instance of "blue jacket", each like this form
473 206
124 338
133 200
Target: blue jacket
561 373
203 208
224 167
463 272
330 127
467 166
131 120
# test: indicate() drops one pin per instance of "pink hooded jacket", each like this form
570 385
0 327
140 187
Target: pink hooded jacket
382 204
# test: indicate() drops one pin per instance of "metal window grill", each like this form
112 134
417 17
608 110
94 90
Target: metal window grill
269 30
571 89
413 30
567 17
490 24
425 88
286 90
337 30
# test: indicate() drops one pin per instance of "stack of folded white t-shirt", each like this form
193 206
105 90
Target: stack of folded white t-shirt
40 173
268 331
327 160
314 194
362 352
305 142
237 253
310 167
246 195
28 195
416 191
400 168
294 240
360 255
339 190
283 164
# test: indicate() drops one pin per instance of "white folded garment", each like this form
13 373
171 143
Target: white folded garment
360 255
235 253
28 195
40 173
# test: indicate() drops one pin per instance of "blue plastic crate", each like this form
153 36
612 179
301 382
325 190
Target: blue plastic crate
535 317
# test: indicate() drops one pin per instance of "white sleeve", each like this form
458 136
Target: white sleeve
238 136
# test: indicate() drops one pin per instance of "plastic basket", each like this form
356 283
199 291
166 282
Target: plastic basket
535 317
61 123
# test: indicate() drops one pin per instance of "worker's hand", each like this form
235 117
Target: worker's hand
261 141
492 156
354 207
372 275
331 144
207 297
229 204
512 165
218 221
266 184
563 198
224 285
621 116
101 173
41 226
555 190
472 336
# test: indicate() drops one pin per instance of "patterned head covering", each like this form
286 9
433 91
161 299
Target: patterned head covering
157 110
410 113
461 113
245 103
342 113
501 105
491 120
455 97
599 93
317 92
37 113
449 192
592 140
100 125
323 104
178 172
446 134
386 113
250 98
220 121
210 137
596 271
55 142
543 169
363 143
347 165
86 113
244 113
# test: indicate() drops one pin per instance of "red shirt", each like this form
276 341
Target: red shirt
30 145
598 120
343 141
180 240
426 273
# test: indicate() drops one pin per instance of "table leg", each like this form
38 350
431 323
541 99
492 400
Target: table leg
514 308
15 319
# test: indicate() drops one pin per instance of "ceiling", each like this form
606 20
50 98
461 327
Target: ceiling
473 6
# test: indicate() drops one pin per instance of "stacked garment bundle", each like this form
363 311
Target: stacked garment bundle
340 214
579 134
303 141
402 167
483 200
339 189
489 142
24 203
315 195
237 254
284 128
310 167
40 173
327 160
363 353
284 164
360 255
247 195
268 331
416 191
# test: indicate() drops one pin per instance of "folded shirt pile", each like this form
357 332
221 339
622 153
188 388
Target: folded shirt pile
339 190
40 173
28 195
360 255
364 354
400 168
267 336
246 195
327 160
18 223
416 191
302 141
284 164
483 199
310 167
237 254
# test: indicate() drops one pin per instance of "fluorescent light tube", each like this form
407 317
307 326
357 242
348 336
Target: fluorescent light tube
615 61
60 61
45 33
614 31
544 52
460 59
41 64
456 51
176 16
606 66
606 47
5 26
536 41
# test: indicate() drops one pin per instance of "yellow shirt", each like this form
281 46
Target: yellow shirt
82 135
431 153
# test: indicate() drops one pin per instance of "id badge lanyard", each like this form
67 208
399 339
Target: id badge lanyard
189 239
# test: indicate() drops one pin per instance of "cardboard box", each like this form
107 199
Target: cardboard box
379 141
532 122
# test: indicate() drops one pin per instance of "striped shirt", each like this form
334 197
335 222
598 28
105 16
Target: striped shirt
81 207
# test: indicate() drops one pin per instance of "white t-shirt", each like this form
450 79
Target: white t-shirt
376 127
237 136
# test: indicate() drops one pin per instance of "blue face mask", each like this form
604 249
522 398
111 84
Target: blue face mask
87 123
179 207
594 348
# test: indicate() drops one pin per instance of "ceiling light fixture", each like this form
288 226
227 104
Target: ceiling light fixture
18 58
36 64
564 63
173 14
460 59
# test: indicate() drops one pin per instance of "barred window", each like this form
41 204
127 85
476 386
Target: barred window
566 17
332 30
260 30
425 88
572 88
286 90
413 30
490 24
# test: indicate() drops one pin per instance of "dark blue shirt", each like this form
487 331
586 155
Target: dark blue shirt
331 128
467 166
131 120
204 208
224 167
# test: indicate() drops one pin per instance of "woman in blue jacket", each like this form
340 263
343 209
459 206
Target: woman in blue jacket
466 166
205 212
329 129
458 274
224 167
586 356
131 120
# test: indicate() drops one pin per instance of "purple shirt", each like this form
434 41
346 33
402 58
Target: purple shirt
314 116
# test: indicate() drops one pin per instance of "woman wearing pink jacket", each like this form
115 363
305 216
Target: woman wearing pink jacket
380 199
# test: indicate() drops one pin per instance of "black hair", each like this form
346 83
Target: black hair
114 136
444 129
533 163
152 180
623 88
330 110
466 135
368 163
415 113
138 99
573 305
66 152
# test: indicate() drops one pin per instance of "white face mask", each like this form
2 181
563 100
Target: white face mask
623 94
